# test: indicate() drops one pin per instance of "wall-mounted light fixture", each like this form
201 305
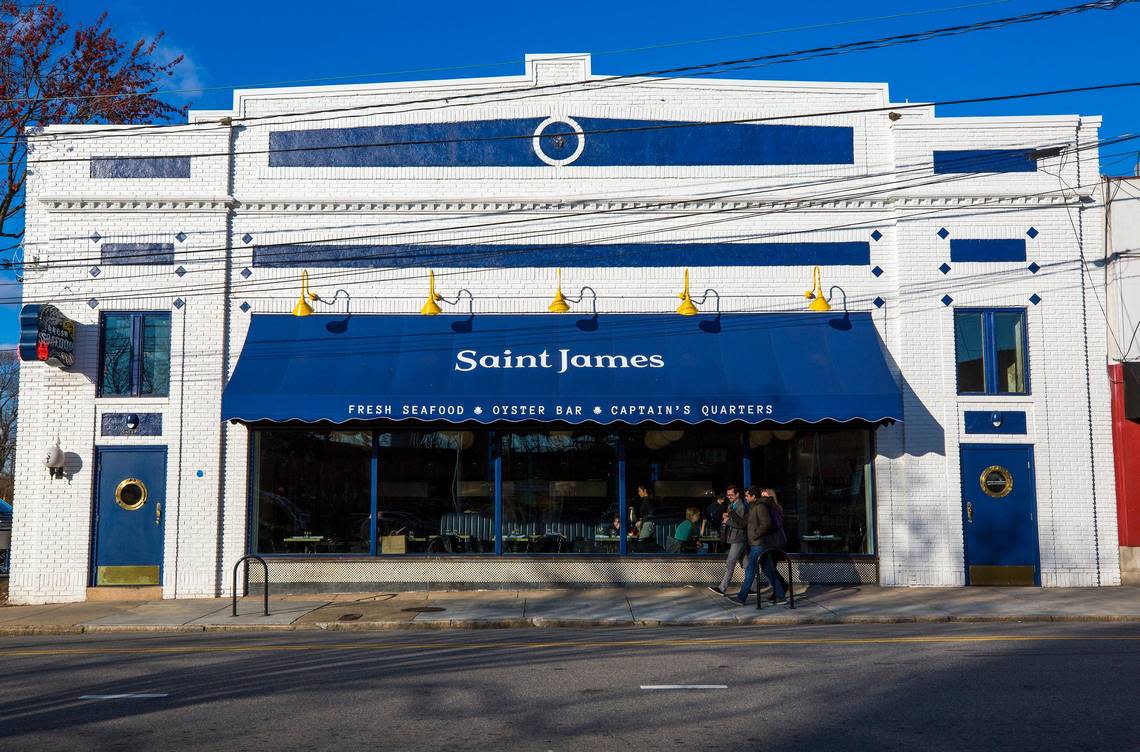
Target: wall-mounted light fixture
132 421
54 460
303 307
688 306
561 303
431 307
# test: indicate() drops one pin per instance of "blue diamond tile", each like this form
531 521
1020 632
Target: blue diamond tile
1034 298
96 237
945 268
246 238
93 303
877 271
179 302
879 302
947 300
876 236
180 271
245 307
1032 232
943 233
245 273
95 271
1033 268
180 237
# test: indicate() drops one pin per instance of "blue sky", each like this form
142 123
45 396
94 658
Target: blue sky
254 42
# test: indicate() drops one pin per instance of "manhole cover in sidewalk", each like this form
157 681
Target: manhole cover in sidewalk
423 609
349 617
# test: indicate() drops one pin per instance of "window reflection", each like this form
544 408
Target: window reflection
436 492
820 477
1009 343
559 491
312 491
669 471
968 341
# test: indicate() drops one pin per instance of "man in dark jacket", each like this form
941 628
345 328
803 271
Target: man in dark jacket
762 535
735 516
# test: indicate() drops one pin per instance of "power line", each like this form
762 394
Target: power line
627 129
699 69
499 63
277 284
814 199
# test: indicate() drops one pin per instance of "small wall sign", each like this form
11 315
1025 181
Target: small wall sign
996 481
47 335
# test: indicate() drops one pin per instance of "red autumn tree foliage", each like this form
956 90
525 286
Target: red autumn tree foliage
51 74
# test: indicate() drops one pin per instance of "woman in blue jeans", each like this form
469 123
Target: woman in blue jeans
763 534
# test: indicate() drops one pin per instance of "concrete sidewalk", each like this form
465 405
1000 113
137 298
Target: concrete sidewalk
471 609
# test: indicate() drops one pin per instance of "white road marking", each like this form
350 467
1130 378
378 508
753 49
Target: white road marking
127 696
684 686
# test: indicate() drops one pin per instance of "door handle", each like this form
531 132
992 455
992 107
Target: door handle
969 512
158 513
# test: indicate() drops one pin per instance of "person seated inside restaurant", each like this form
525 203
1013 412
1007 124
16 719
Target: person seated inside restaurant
613 529
646 542
684 538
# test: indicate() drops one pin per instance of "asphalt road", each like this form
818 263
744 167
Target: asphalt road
1008 687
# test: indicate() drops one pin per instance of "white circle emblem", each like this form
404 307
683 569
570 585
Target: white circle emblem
577 133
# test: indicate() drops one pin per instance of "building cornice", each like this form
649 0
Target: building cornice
474 207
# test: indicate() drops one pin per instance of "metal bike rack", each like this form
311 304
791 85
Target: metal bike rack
245 560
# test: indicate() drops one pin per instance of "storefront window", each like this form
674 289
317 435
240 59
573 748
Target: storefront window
313 491
560 491
669 472
436 492
820 478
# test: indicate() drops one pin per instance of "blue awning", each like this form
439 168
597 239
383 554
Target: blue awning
615 368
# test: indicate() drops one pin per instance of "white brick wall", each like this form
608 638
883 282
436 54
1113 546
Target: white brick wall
920 540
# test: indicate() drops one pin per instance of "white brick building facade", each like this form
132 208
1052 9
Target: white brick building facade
234 199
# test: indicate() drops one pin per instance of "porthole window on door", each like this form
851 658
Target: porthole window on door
130 494
996 481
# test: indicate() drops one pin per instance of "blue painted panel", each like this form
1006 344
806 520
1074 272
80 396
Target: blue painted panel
1001 249
714 144
1003 532
637 255
984 160
982 421
140 167
509 143
129 537
612 368
115 424
136 254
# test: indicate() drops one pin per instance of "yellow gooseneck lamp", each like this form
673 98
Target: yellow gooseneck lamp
687 308
303 308
431 307
559 304
815 295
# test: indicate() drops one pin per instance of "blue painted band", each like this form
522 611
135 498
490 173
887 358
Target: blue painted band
115 424
983 422
136 254
608 143
853 253
1012 249
138 168
984 160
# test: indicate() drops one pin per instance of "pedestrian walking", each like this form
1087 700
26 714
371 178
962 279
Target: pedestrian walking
735 520
765 531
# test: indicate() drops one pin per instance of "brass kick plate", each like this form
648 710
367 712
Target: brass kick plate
135 575
995 575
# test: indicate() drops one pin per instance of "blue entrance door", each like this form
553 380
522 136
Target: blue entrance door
999 515
130 505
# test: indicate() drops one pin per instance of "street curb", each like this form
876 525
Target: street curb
758 620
